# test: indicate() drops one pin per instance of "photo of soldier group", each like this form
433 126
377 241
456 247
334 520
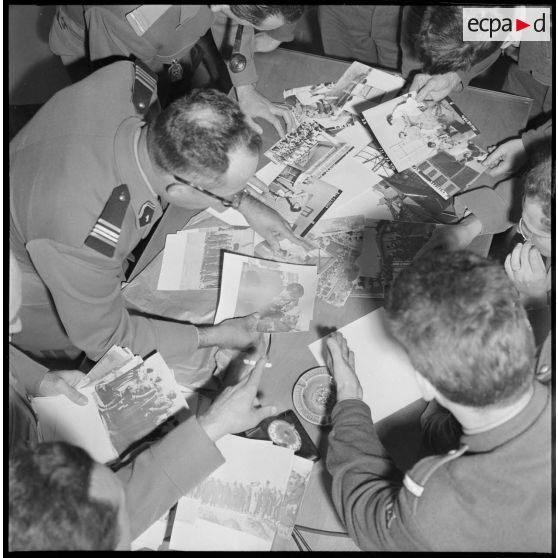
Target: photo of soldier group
253 507
133 404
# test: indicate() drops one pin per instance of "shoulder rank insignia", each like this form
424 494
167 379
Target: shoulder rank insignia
145 215
105 233
145 83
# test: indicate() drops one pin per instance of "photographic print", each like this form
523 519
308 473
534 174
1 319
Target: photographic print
299 199
238 507
135 402
388 247
311 104
308 148
192 258
410 132
288 252
424 192
282 293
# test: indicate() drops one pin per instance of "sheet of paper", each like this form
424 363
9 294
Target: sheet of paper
152 537
62 420
282 293
237 507
382 366
369 203
192 258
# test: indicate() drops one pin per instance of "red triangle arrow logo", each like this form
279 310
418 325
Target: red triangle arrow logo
519 25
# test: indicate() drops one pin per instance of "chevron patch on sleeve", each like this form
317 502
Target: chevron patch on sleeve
105 234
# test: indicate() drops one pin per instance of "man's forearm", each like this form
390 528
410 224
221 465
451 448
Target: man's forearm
163 473
365 480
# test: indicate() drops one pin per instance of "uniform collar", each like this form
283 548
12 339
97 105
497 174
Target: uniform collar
487 441
127 166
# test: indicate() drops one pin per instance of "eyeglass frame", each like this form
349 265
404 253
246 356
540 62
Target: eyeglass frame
234 203
520 230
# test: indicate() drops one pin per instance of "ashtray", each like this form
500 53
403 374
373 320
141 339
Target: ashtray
314 395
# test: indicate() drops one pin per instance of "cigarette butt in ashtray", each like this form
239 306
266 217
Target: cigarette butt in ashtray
253 363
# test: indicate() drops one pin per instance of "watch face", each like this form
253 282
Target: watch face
284 434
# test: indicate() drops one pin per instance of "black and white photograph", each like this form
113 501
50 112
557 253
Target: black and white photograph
301 200
283 294
310 149
411 131
134 403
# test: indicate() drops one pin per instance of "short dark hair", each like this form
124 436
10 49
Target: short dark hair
538 179
195 134
461 321
257 14
49 505
439 45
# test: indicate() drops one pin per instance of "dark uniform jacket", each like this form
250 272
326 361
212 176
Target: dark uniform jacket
493 493
79 204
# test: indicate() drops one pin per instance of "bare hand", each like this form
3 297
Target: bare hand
341 363
525 267
506 157
268 223
237 408
255 105
63 382
452 237
434 88
234 333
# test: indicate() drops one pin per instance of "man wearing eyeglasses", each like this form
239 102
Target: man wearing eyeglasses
88 181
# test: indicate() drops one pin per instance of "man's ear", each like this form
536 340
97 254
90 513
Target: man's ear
427 390
177 192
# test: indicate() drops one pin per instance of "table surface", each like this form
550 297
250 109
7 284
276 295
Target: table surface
498 116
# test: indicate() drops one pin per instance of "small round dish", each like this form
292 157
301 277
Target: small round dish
284 434
314 395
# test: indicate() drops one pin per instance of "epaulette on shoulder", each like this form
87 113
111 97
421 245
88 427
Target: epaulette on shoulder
105 233
416 479
145 84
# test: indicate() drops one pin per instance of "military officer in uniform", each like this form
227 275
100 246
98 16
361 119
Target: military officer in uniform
490 487
88 180
162 37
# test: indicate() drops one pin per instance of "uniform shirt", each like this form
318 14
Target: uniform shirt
171 36
494 493
64 166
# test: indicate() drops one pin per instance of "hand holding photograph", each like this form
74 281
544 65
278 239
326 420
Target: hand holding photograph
282 293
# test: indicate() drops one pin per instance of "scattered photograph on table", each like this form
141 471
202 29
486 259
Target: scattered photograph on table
243 497
288 252
134 403
308 148
192 258
388 247
296 487
311 103
282 293
338 270
424 192
410 132
361 83
374 158
299 199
